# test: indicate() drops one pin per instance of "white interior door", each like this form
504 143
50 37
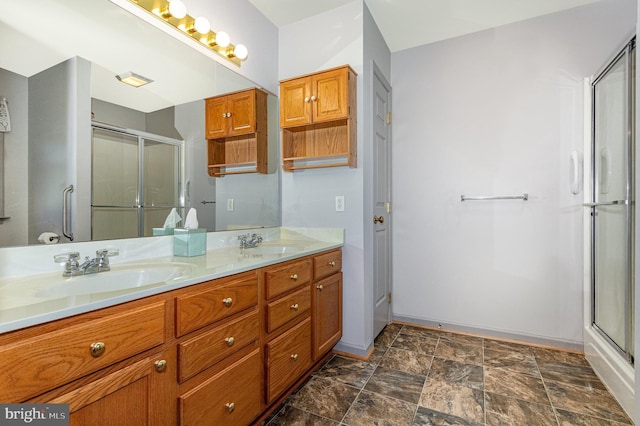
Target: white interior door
382 200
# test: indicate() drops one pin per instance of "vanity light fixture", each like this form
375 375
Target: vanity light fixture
174 13
133 79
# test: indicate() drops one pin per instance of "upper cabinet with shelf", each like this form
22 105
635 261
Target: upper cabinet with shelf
236 130
318 120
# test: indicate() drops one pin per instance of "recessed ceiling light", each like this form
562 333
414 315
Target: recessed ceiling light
133 79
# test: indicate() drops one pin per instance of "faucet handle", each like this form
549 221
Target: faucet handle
66 257
102 253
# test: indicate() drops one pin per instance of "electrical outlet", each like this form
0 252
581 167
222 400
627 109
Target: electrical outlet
229 204
339 203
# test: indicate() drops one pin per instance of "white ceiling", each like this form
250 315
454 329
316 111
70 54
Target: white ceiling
409 23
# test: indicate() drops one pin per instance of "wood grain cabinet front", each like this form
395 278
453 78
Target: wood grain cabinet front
214 301
231 397
43 362
286 277
327 315
288 308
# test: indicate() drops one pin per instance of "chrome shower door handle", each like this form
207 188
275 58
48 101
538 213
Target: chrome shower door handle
607 203
65 213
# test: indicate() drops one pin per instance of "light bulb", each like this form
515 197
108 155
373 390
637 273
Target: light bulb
177 9
222 39
202 25
241 52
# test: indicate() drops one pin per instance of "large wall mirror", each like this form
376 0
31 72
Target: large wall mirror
74 124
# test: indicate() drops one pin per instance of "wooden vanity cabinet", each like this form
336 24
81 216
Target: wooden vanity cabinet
236 132
327 301
318 119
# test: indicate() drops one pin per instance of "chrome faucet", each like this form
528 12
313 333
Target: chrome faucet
73 267
249 241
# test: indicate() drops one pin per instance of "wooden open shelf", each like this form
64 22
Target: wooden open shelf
236 151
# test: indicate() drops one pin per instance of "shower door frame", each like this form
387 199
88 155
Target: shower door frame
141 135
628 52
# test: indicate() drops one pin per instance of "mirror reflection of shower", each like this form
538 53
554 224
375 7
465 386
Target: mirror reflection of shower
136 180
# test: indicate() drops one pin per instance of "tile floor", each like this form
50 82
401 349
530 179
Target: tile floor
420 376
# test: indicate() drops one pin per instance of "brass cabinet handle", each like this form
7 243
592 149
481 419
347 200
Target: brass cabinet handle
230 406
160 365
230 341
332 263
227 302
378 219
295 307
320 287
294 357
306 100
294 277
314 98
97 349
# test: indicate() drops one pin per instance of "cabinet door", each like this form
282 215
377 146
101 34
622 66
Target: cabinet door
216 117
331 95
295 102
327 315
128 397
242 107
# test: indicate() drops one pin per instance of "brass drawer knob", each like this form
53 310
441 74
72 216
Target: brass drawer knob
294 277
230 341
97 349
230 406
227 302
332 263
320 287
160 365
295 307
294 357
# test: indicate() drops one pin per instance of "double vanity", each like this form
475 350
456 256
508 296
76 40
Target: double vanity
221 338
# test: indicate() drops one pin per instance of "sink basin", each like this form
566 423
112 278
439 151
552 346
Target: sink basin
129 277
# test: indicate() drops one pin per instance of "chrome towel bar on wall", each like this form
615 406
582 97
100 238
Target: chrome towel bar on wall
523 197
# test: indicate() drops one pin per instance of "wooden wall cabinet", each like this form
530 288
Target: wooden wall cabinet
318 119
225 351
236 132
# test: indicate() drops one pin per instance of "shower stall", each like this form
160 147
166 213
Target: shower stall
610 203
136 181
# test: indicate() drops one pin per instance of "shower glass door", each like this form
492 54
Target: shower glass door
612 206
136 181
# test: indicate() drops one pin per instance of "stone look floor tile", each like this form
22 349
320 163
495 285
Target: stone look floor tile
515 361
396 384
514 384
291 416
551 355
378 354
462 338
588 401
427 417
510 411
498 345
567 418
570 373
386 338
458 373
326 398
408 361
346 370
375 409
423 345
457 400
422 332
458 351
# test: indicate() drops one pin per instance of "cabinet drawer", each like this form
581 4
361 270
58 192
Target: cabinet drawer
231 397
195 310
327 264
288 356
205 350
287 308
282 279
52 359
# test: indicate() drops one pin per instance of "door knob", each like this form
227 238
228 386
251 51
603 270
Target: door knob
378 219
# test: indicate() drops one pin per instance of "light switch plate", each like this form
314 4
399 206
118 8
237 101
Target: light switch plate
339 203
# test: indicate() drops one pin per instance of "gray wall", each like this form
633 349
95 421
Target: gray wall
493 113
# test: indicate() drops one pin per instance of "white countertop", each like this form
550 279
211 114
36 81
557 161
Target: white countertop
29 299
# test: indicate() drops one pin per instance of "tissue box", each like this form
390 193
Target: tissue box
189 242
162 231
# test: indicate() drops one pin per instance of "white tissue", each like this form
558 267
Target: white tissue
172 219
191 222
49 238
